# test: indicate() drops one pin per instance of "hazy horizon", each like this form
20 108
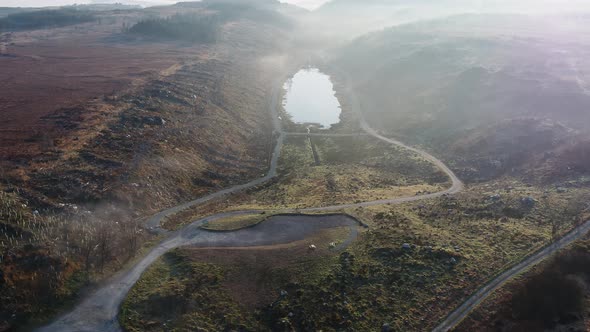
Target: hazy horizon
526 6
309 4
294 165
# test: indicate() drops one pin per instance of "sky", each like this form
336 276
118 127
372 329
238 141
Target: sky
309 4
549 6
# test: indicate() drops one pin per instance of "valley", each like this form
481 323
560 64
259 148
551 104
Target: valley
217 165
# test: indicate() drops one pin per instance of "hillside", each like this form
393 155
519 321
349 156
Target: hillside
494 102
94 147
174 167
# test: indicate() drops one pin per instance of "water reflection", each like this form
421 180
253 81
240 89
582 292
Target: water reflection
310 98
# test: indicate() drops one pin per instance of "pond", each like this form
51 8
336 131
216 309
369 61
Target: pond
311 99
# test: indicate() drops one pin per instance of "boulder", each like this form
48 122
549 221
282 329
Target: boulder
528 201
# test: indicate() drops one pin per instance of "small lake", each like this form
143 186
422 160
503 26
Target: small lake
311 98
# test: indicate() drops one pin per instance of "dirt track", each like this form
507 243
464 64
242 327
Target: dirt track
154 222
99 311
455 317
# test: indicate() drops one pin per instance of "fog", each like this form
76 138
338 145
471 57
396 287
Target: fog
343 20
308 4
122 127
53 3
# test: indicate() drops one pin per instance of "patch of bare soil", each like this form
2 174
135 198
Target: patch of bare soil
255 275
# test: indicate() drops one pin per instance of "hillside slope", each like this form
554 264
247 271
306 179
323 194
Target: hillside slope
495 94
83 169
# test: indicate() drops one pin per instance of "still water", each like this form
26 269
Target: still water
310 98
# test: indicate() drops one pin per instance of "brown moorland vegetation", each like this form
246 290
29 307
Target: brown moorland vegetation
412 264
83 168
551 297
491 106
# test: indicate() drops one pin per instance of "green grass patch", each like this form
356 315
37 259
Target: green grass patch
347 170
235 222
455 245
220 289
177 292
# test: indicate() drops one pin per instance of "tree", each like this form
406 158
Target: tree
131 235
548 296
104 241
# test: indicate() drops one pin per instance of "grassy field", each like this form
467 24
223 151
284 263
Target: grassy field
551 296
454 244
221 289
235 222
344 170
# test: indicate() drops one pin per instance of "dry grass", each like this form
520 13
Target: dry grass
351 170
235 222
231 283
412 290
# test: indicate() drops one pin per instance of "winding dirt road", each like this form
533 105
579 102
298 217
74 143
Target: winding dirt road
99 311
456 186
155 221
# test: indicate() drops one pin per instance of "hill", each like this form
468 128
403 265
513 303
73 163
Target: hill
485 90
101 130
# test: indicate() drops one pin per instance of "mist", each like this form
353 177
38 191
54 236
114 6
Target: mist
57 3
265 165
343 20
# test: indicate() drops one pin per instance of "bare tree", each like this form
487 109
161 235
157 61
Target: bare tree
87 248
104 243
130 237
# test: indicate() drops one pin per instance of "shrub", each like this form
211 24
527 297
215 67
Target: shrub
548 296
187 27
44 19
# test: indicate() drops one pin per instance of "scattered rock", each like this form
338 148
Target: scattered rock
495 197
528 201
